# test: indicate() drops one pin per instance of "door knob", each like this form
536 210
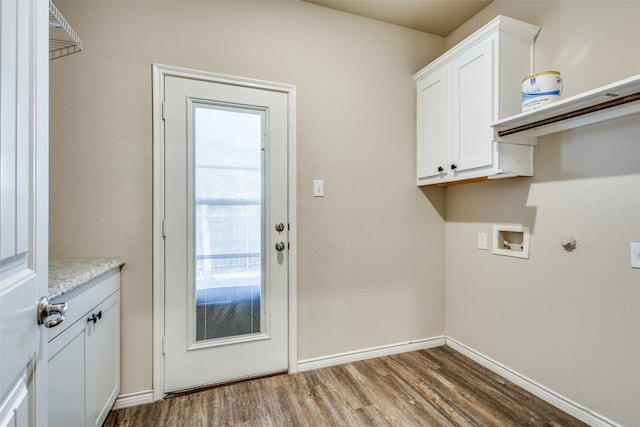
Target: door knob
279 227
46 309
280 246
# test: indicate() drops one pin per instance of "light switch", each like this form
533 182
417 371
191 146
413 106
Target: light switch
635 255
318 188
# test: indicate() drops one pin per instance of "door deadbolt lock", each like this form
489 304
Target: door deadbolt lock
279 227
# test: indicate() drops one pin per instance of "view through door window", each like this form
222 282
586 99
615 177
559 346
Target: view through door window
228 190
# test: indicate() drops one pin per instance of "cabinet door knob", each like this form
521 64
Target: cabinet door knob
440 168
454 166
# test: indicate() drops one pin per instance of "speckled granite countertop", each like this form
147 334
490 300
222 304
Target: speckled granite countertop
67 274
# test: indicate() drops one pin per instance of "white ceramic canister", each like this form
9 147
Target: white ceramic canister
540 89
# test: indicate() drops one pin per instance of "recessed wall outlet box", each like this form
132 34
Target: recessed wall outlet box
635 255
511 240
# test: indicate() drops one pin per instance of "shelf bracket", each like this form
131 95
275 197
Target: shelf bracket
63 40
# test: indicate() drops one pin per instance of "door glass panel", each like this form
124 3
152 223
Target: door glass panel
227 220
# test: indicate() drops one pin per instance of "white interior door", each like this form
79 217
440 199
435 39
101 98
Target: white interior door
23 210
226 246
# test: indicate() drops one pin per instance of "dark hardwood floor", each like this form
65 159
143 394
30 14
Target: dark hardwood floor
434 387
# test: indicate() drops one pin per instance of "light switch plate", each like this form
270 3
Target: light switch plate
635 255
318 188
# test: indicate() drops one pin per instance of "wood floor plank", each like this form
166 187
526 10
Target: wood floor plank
434 387
347 387
434 390
512 403
452 397
396 398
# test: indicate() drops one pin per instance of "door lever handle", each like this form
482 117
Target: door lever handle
46 309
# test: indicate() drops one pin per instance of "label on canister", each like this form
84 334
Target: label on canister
540 89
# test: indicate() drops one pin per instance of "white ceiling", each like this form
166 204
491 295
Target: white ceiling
438 17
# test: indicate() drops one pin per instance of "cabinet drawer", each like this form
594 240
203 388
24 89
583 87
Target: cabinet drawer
83 299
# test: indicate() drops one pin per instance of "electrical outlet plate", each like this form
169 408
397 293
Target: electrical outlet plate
482 241
635 255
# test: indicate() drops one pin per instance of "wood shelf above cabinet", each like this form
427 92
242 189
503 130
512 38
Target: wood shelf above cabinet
605 103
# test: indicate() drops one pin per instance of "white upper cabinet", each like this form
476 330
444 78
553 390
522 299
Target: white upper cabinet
461 94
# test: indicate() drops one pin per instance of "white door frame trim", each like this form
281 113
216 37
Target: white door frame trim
159 72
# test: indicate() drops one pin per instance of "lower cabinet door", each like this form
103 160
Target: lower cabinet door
102 359
66 377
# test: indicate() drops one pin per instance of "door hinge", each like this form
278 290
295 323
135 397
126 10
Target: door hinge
164 110
164 345
164 228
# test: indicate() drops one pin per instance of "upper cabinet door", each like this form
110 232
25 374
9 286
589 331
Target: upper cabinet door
432 125
471 94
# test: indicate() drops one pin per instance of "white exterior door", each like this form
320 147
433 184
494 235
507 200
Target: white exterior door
225 232
23 210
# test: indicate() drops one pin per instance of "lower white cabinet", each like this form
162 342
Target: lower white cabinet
84 354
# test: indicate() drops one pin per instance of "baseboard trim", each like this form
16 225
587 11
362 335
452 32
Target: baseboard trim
570 407
133 399
369 353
